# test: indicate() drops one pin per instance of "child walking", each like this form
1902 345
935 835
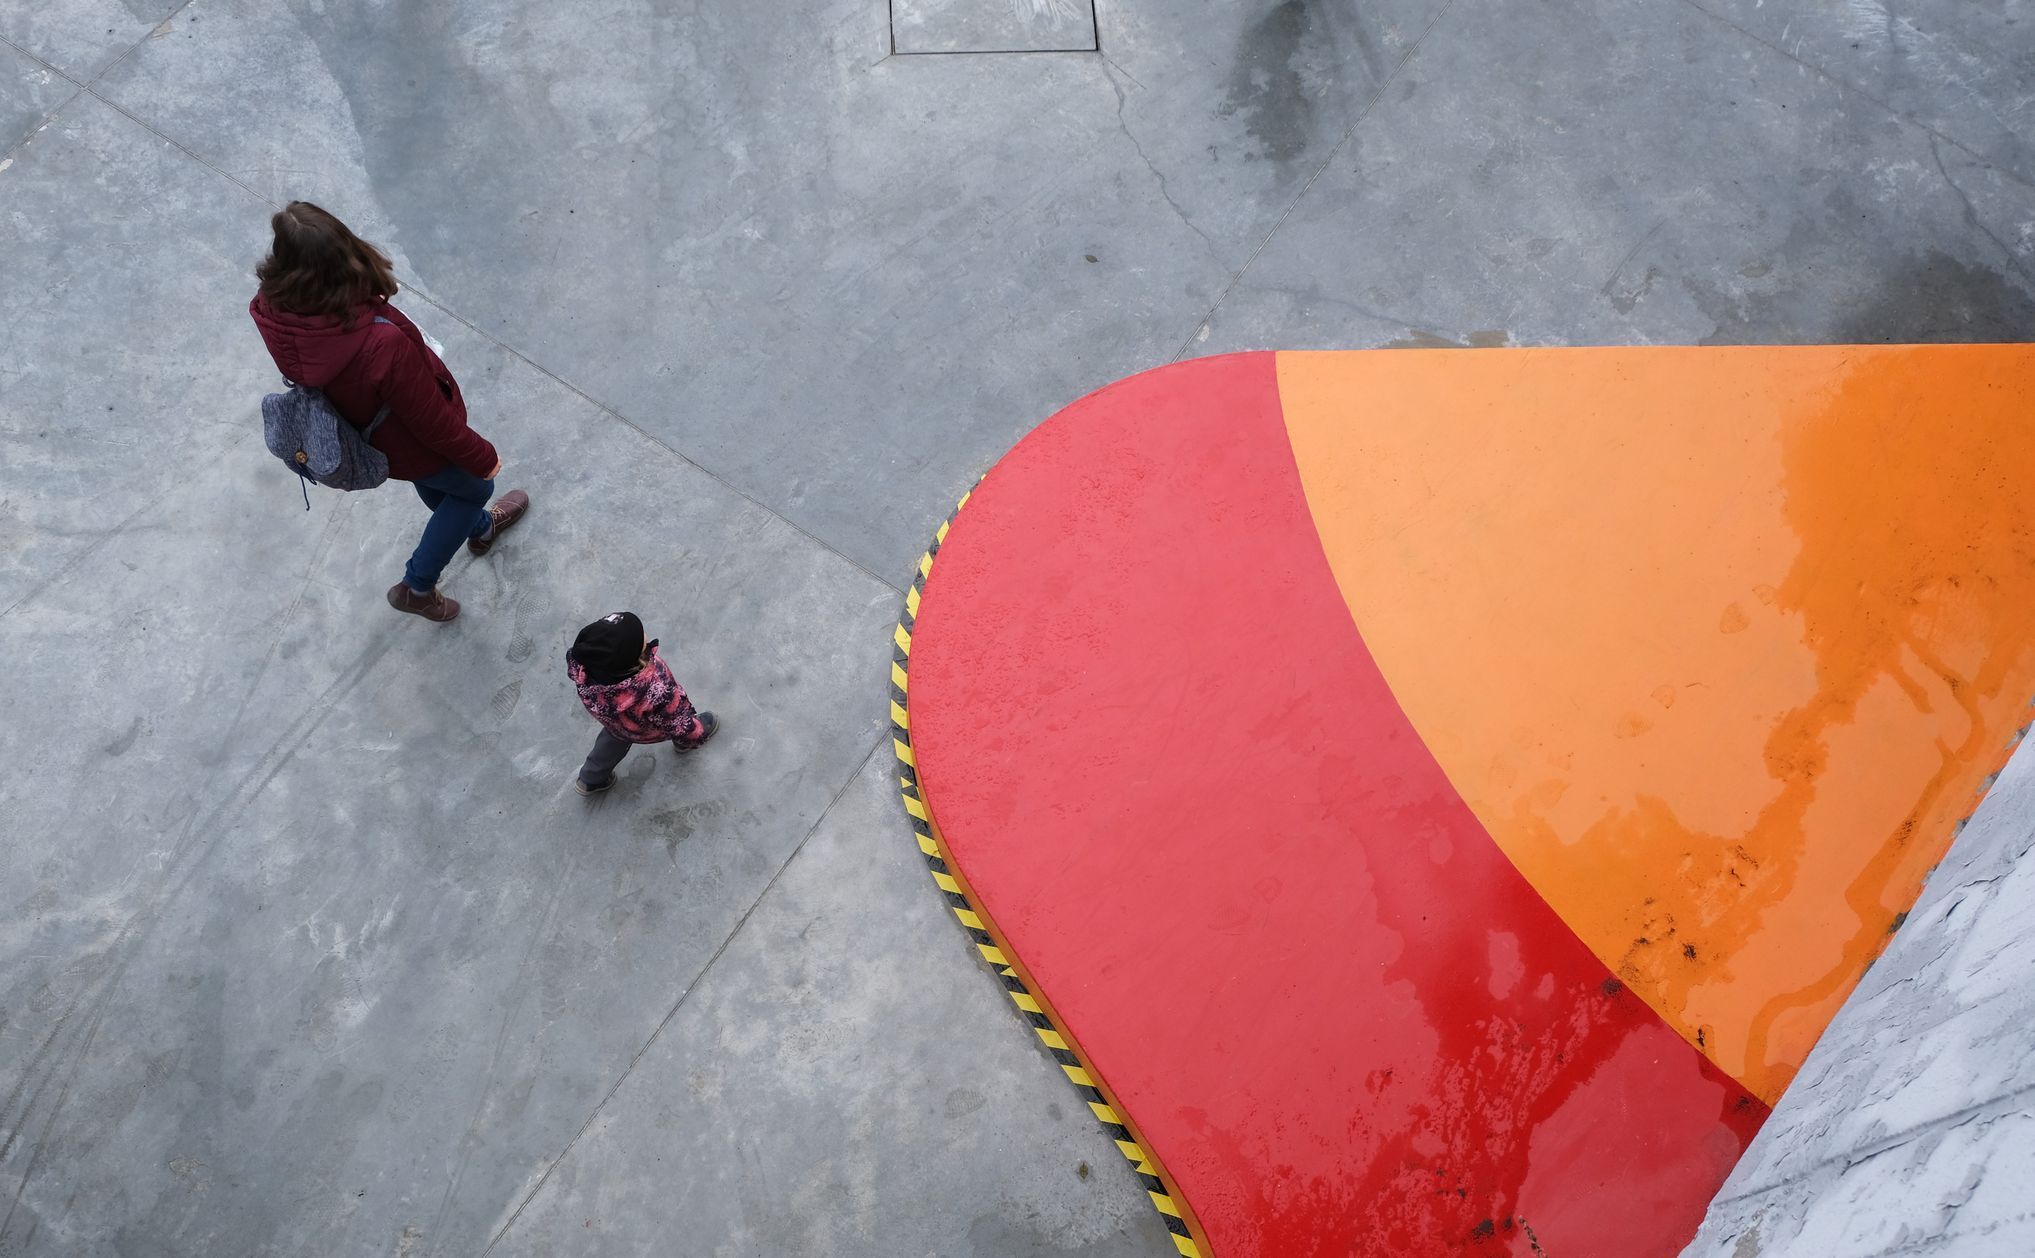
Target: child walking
629 689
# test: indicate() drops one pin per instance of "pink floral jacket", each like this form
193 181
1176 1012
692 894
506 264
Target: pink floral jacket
648 707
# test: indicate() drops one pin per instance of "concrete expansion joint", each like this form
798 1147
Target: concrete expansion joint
685 993
802 306
1819 71
425 295
87 86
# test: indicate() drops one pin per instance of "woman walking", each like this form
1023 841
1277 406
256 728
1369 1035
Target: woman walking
323 310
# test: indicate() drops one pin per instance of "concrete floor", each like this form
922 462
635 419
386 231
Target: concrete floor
307 947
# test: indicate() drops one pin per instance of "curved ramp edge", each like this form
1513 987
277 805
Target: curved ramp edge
1198 758
1188 1240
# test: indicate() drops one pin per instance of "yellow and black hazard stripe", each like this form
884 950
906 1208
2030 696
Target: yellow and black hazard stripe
1041 1020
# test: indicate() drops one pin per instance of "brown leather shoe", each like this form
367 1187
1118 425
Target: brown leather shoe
505 510
432 606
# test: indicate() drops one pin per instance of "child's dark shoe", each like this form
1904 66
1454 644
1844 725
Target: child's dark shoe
580 785
432 606
708 724
502 513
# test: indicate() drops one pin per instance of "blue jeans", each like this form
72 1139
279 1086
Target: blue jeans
459 510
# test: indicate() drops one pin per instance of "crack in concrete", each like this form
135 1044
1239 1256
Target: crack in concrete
1972 219
83 85
421 293
467 1141
881 742
1843 85
1165 188
201 836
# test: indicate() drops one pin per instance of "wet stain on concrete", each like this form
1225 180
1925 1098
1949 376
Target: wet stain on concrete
1936 297
121 745
1266 87
1930 298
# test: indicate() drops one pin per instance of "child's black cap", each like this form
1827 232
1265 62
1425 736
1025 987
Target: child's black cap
610 648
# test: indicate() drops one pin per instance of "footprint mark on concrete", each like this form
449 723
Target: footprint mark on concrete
521 644
505 700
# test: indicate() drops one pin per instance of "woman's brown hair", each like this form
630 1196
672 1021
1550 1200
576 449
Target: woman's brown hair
317 266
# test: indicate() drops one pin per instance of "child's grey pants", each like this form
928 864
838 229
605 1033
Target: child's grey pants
601 761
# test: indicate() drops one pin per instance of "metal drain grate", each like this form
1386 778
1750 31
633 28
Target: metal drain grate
919 27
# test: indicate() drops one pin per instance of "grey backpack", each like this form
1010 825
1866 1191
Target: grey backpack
315 441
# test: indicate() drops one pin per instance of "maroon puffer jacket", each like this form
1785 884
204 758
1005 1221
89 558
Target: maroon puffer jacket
363 366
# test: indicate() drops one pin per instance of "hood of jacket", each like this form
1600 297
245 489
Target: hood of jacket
641 678
309 349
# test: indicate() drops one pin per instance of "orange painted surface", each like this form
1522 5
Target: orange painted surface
1718 644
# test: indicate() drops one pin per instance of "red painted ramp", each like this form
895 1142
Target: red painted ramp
1160 755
